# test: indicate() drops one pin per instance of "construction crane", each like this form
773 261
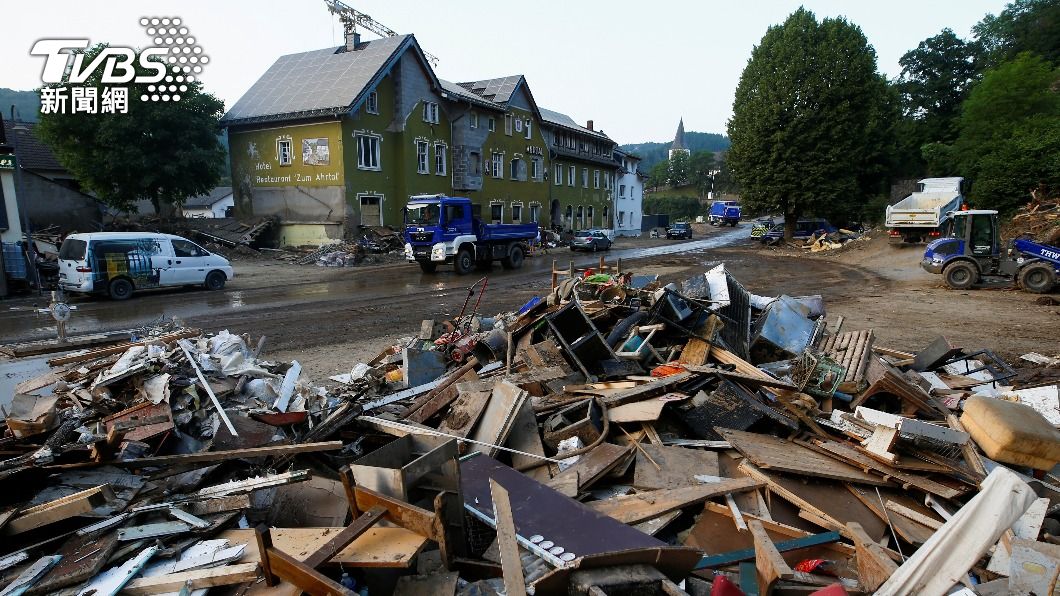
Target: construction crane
352 18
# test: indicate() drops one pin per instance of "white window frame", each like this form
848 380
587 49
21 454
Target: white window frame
518 125
535 169
441 167
508 124
496 204
423 157
375 146
590 216
371 105
535 212
585 177
492 124
558 174
621 218
596 179
430 112
526 129
572 175
285 151
621 191
497 164
517 206
472 119
471 163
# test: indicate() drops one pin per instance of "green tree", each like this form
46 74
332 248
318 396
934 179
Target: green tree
813 121
163 151
1008 133
935 79
1024 26
658 175
677 169
702 168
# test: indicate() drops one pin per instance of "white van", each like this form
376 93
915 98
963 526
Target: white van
117 263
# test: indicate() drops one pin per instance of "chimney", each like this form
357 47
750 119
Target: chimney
589 124
353 39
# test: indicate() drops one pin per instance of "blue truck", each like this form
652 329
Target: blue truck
724 213
972 252
444 230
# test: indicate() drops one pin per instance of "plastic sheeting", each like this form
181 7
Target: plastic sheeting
952 550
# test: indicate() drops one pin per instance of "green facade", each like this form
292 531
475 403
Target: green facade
514 191
587 202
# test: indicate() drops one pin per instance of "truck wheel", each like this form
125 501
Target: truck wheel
428 267
120 289
464 263
960 276
515 258
1037 277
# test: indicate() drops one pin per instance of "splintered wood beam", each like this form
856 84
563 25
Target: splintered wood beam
304 577
768 562
407 516
511 566
874 564
209 456
196 579
343 539
632 509
59 509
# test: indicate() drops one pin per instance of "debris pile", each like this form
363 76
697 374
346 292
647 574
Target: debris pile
619 436
1039 219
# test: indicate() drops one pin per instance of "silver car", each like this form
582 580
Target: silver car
591 240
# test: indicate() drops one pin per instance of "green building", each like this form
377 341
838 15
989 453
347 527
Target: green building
333 139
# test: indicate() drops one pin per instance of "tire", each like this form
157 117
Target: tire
1038 278
464 262
515 258
120 289
608 247
593 249
428 267
215 280
960 276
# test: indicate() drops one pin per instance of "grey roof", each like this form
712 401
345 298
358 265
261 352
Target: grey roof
559 119
31 151
679 137
498 90
208 199
455 89
316 83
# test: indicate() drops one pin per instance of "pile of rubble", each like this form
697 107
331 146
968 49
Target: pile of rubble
618 436
1039 219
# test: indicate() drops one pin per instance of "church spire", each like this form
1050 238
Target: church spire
679 138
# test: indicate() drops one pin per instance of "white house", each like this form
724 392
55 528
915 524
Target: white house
629 195
216 203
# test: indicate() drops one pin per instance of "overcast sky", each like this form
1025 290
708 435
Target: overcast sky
634 67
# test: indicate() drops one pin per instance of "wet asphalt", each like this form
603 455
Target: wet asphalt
364 289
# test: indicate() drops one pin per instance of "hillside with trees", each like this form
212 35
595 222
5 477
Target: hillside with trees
26 104
652 153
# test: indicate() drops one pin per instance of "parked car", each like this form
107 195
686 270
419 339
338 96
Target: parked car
804 228
761 227
592 240
681 229
119 263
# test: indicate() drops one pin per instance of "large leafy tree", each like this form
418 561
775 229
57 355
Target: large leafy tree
163 151
702 168
677 169
1009 138
813 121
1024 26
935 79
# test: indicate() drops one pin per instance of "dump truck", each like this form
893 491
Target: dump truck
924 215
444 230
972 252
724 213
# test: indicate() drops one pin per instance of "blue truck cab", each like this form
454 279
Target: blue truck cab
972 251
444 230
724 213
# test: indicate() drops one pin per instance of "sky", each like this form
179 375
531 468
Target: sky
633 67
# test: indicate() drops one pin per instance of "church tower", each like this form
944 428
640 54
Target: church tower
679 141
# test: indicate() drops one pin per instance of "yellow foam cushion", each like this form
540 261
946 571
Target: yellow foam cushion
1012 433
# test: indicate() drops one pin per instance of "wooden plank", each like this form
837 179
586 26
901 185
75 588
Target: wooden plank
194 580
913 515
339 541
82 558
377 547
648 410
828 503
511 565
768 562
591 466
118 349
845 453
874 566
773 453
697 350
401 513
210 456
499 415
631 509
730 558
465 412
678 467
310 581
441 398
526 437
907 529
59 509
647 390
